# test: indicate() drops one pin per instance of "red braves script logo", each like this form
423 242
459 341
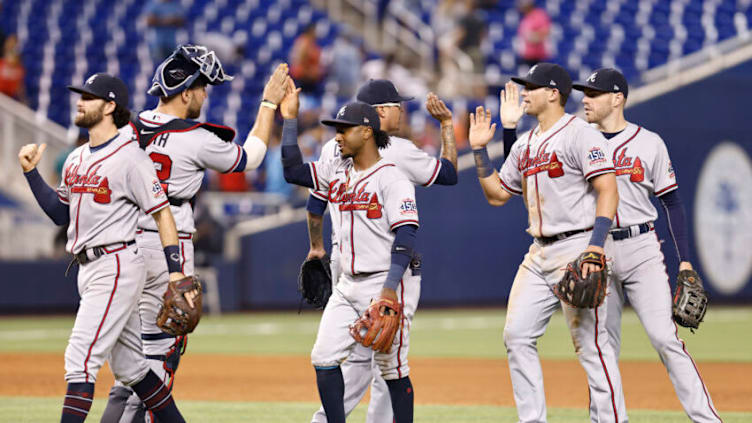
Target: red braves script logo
543 162
354 201
90 183
596 155
624 166
408 207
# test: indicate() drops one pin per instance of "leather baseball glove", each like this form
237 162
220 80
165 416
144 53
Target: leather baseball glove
176 317
581 292
315 282
377 327
690 300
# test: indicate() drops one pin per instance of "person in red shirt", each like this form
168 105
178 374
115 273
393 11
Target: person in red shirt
533 32
305 61
12 70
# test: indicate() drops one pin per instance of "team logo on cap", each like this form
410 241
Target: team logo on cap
91 79
591 78
341 112
530 72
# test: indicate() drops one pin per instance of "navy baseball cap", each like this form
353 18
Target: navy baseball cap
607 80
380 92
356 113
106 87
548 75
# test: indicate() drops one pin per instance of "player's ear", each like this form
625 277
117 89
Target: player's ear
367 132
109 108
186 95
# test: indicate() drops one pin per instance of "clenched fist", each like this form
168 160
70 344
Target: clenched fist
30 155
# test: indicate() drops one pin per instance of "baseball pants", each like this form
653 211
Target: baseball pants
640 274
531 304
359 371
124 406
107 323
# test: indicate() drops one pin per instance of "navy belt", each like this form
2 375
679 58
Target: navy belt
623 233
90 254
558 237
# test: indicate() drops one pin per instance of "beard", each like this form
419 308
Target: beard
90 119
194 110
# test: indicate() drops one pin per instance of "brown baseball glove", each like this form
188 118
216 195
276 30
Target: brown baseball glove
581 292
377 327
176 317
690 300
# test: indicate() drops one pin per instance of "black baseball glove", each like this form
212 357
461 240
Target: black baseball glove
315 282
581 292
690 300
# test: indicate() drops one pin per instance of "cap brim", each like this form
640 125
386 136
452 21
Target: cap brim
522 81
338 122
582 86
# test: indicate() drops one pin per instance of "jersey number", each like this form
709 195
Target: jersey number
163 165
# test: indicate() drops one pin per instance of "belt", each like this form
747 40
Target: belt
623 233
558 237
88 255
181 235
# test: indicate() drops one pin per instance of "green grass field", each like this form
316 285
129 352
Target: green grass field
472 333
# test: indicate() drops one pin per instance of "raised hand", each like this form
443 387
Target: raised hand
438 109
291 102
30 155
481 129
275 88
511 109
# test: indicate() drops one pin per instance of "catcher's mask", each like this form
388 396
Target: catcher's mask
184 66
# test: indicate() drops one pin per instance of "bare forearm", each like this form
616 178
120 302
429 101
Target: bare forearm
262 128
495 194
168 233
448 144
316 231
608 197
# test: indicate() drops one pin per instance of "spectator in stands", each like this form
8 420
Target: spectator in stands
12 70
345 67
164 18
305 61
535 26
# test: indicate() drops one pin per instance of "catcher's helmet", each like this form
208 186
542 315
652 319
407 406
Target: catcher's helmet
186 64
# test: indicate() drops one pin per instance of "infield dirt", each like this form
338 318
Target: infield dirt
436 380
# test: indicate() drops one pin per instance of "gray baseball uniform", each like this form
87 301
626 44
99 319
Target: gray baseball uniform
359 370
643 168
180 158
552 171
107 188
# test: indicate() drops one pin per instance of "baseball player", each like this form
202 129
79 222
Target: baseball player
378 221
106 184
567 182
181 150
643 168
359 370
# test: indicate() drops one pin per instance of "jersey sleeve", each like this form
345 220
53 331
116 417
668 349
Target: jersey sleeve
216 154
400 206
329 152
321 173
664 178
145 189
509 174
420 167
589 153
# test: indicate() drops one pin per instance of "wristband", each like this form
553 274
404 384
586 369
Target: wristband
600 231
483 163
269 104
172 255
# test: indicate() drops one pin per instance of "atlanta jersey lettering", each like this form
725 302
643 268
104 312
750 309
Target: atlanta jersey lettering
554 167
107 190
368 206
419 167
180 158
643 168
